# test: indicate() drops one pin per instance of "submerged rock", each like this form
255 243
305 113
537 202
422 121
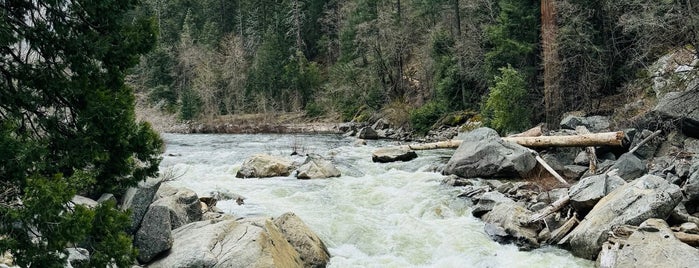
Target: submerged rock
393 154
484 154
646 197
264 166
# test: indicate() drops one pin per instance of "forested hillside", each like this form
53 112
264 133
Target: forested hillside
513 61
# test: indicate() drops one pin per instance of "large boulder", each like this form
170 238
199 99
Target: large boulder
311 249
644 198
264 166
691 188
585 194
629 167
183 204
652 245
137 199
484 154
506 224
488 201
315 167
154 236
393 154
230 243
682 106
367 133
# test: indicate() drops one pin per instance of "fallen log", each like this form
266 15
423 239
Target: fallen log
550 169
689 239
559 233
583 140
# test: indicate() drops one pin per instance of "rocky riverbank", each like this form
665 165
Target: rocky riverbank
637 208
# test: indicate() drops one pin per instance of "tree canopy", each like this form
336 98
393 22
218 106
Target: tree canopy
68 127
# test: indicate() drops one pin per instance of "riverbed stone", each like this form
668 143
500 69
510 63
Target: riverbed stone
183 205
138 199
367 133
264 166
629 167
651 245
506 224
316 167
393 154
691 188
646 197
595 123
230 243
154 236
487 201
681 106
311 249
585 193
484 154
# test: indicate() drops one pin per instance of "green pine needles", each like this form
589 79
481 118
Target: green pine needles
506 103
67 127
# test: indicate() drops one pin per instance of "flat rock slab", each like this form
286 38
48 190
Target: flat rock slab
393 154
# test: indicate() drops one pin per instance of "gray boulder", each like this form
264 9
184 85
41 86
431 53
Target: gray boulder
505 224
393 154
264 166
367 133
682 106
629 167
484 154
230 243
592 123
585 194
644 198
691 188
154 236
311 249
137 199
83 201
183 204
652 245
77 257
647 150
316 167
488 201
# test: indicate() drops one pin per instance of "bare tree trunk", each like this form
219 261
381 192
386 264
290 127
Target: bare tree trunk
552 94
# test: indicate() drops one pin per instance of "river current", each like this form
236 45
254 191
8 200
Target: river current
374 215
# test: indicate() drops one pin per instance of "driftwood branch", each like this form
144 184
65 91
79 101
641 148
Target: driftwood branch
550 169
646 140
559 233
690 239
450 144
555 206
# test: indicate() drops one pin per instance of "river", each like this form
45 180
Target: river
374 215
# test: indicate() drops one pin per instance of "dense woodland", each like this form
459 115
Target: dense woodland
349 59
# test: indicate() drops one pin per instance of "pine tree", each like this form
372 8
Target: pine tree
67 126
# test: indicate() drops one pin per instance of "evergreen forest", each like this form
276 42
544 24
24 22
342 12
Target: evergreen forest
412 60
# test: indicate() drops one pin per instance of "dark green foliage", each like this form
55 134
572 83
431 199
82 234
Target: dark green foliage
514 38
190 105
68 126
507 102
422 119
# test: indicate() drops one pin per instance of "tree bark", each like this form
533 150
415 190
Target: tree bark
584 140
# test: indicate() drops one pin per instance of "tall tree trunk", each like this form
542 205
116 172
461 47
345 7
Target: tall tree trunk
457 38
552 92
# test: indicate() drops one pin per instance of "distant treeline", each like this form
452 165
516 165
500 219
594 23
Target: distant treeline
350 58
